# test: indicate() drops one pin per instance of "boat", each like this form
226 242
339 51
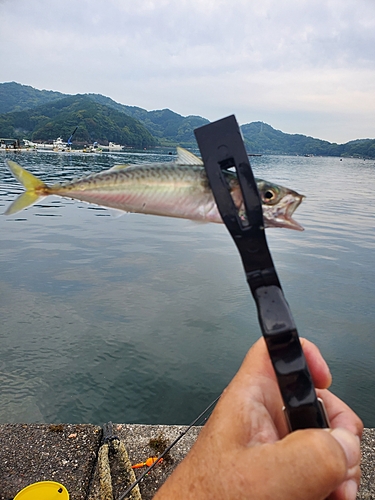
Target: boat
36 145
94 148
60 146
115 147
30 144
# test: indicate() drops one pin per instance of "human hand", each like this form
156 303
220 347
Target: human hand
245 452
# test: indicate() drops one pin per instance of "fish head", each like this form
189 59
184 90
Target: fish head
278 204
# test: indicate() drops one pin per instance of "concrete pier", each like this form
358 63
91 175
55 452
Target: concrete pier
68 454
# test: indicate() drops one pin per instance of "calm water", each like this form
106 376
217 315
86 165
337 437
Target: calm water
146 319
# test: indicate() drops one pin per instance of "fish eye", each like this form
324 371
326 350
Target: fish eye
269 196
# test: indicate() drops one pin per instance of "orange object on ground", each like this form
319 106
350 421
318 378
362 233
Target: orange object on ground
148 462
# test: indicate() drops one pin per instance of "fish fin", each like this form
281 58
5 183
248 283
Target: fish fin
115 213
184 157
23 201
29 181
118 167
32 185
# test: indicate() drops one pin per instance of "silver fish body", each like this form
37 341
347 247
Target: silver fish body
168 189
164 189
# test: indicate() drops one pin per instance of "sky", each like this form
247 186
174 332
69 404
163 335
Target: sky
301 66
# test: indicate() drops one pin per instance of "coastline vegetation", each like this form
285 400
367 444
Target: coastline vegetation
42 116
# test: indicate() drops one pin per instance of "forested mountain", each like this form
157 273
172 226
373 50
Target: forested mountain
164 124
95 122
28 113
17 97
167 128
262 138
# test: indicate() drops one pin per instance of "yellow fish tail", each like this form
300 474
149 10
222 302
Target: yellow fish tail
35 188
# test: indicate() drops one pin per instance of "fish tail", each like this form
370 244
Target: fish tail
35 188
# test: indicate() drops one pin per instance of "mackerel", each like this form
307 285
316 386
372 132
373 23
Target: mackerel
174 189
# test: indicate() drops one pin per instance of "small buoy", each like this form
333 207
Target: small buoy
44 490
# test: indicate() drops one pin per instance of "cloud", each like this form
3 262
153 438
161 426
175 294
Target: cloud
273 58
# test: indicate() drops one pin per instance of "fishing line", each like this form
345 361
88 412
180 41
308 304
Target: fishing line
129 489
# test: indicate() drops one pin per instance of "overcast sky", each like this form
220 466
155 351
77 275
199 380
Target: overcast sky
303 66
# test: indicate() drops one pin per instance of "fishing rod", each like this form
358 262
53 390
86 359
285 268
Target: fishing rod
182 434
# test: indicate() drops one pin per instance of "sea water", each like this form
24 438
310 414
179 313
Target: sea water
145 319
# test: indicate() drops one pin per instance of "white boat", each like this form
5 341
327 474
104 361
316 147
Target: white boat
115 147
60 145
36 145
44 145
30 144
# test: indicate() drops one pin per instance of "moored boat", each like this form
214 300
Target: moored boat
60 146
94 148
115 147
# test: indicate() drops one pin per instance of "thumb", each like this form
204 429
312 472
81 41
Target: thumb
311 464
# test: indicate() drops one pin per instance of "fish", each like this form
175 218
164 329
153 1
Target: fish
173 189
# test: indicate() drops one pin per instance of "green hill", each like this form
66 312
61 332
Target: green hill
16 97
166 125
95 122
43 115
262 138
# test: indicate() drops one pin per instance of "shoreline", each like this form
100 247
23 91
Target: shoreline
71 455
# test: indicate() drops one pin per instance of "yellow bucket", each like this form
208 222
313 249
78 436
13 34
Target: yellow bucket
44 490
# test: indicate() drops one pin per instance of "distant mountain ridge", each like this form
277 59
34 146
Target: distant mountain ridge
26 112
166 127
60 117
262 138
17 97
164 124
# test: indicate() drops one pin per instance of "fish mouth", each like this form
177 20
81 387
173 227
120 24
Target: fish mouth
280 215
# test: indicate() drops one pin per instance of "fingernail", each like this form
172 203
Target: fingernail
350 444
350 490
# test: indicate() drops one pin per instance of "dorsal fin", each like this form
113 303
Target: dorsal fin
184 157
118 167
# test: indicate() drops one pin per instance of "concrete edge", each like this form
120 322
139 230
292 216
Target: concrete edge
68 454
